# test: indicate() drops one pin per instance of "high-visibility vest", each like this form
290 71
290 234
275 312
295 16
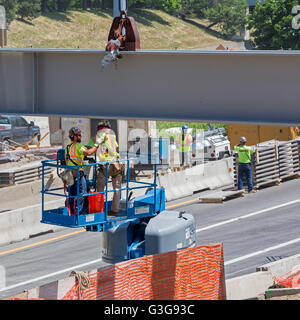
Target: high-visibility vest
244 153
74 154
186 143
108 148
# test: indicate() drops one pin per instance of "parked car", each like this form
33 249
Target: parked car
17 129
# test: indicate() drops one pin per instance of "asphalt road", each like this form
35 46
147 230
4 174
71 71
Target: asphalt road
254 230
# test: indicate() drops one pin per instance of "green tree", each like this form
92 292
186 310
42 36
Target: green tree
230 15
196 6
271 25
29 8
63 5
169 6
11 8
44 6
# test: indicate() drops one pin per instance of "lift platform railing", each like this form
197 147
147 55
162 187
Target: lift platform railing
140 207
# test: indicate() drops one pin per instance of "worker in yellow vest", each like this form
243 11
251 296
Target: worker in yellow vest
244 164
74 154
185 146
108 151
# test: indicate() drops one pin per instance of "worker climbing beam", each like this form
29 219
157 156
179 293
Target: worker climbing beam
211 86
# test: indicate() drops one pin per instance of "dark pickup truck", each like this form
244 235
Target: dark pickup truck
17 129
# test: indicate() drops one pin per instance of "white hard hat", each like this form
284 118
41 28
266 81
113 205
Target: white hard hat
243 139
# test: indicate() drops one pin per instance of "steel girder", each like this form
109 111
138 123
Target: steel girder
211 86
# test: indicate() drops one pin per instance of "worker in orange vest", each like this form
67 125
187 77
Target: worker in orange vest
74 154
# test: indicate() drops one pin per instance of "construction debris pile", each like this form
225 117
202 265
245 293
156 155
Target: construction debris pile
22 163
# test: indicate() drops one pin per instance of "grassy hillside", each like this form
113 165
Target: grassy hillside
89 29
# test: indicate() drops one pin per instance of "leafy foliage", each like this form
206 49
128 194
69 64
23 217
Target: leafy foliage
11 8
29 8
272 25
230 15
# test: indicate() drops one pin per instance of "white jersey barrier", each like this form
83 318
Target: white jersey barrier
210 175
21 224
176 185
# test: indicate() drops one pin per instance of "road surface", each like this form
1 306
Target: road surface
254 229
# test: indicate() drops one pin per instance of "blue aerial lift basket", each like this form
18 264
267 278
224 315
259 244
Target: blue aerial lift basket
140 208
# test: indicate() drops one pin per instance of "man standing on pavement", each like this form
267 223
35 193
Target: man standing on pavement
74 154
108 151
244 167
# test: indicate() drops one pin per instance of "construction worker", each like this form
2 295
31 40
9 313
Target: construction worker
185 146
244 167
108 151
74 154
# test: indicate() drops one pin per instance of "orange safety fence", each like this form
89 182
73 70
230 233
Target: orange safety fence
289 280
189 274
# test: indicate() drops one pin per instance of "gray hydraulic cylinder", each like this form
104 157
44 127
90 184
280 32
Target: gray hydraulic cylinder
169 231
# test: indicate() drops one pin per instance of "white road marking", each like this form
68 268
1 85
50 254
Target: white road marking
247 215
197 230
250 255
49 275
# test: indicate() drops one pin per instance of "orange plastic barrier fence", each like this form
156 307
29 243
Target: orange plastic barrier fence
188 274
290 279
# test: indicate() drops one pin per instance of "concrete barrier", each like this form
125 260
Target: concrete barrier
249 286
210 175
55 290
281 267
21 224
27 194
196 178
252 285
219 173
171 182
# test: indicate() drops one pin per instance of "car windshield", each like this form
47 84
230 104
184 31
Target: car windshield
217 140
4 121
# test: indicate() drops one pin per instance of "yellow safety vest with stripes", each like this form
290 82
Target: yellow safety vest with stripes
107 150
74 152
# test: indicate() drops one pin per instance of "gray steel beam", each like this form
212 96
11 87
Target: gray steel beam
214 86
